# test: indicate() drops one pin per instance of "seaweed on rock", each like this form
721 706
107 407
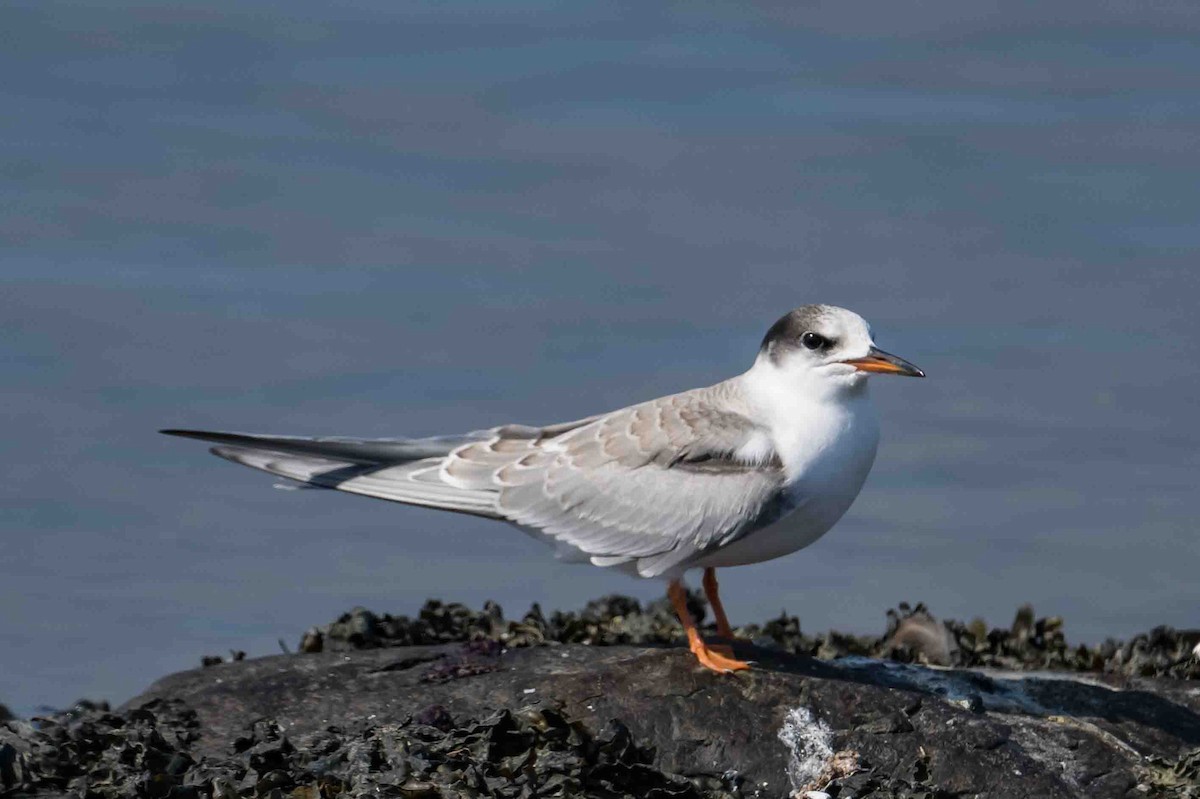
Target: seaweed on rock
91 752
912 635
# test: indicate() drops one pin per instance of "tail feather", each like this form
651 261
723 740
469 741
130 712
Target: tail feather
399 470
351 450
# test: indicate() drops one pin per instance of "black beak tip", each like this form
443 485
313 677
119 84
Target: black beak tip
899 365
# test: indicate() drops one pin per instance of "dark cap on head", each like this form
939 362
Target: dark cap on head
787 331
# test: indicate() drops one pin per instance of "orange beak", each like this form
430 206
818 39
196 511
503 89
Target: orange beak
879 361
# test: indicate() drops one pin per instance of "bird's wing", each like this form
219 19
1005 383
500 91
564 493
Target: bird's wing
656 483
414 483
398 469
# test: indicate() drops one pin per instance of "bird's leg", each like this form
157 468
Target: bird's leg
707 657
714 600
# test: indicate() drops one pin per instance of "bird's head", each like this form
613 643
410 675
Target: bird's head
827 347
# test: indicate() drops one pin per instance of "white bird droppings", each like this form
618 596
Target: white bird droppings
810 742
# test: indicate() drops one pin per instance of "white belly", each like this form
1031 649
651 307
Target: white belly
826 476
791 533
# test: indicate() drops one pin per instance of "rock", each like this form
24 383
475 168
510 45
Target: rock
462 703
912 635
533 751
901 725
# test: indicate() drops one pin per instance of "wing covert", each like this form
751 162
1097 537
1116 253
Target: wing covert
656 483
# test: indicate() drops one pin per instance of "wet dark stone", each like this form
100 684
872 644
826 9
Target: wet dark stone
889 724
661 726
607 702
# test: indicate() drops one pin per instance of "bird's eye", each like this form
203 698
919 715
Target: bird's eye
814 341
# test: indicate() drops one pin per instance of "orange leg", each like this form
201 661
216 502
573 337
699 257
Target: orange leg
707 657
714 599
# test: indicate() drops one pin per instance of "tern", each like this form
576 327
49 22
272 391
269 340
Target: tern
750 469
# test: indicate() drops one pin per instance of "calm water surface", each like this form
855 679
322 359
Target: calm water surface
284 218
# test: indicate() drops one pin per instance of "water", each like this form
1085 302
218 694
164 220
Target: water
380 221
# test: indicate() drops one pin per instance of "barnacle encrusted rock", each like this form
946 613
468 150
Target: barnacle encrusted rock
617 721
912 634
605 702
147 751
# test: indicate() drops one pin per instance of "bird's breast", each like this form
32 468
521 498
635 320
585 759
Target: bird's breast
826 459
828 445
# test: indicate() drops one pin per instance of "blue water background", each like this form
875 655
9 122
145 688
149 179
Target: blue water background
425 218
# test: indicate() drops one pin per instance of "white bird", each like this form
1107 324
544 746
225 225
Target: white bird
750 469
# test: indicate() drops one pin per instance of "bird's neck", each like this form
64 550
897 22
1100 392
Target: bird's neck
807 416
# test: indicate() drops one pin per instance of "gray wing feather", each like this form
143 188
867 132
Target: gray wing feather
413 483
656 484
399 470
